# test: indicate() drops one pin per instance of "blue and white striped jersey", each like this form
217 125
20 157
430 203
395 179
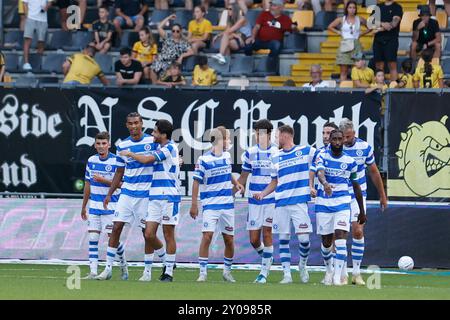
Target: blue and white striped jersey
214 174
362 152
338 172
106 168
258 162
166 174
291 168
138 176
313 162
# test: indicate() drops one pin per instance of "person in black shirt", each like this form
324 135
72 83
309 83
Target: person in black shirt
385 43
103 31
173 76
128 71
130 14
426 34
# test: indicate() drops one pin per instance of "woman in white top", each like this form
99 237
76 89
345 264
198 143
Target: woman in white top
233 38
350 30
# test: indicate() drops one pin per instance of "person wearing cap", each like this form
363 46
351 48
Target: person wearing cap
362 76
426 34
269 30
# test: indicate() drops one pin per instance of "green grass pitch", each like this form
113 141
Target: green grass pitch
22 281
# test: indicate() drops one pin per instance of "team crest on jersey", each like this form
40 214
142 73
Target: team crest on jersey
228 228
108 168
303 226
342 223
343 166
298 153
275 226
359 153
147 147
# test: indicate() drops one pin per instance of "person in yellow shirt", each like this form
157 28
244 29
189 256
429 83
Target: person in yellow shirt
405 79
362 76
203 75
81 68
380 87
145 50
200 30
429 75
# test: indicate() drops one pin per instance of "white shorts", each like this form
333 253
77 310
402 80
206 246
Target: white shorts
100 223
225 219
327 223
163 212
298 213
260 216
129 208
355 209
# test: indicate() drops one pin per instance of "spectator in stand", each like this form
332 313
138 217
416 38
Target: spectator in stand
81 68
433 7
206 3
268 33
64 15
203 75
305 5
350 33
426 34
107 3
429 75
21 12
128 71
289 83
36 21
233 38
173 77
316 78
103 31
362 76
378 91
130 14
245 4
405 79
145 50
174 49
385 43
164 4
2 66
200 30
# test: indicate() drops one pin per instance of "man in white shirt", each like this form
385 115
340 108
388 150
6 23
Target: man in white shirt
316 76
36 20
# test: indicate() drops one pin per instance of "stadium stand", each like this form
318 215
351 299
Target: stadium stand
314 44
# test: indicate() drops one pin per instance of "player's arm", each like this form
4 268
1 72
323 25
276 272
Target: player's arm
328 188
375 176
138 157
268 190
237 186
194 204
86 196
103 180
362 218
243 178
116 183
312 176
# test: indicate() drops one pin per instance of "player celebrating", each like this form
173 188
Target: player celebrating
335 170
214 179
137 177
257 160
164 196
327 128
362 152
100 169
290 181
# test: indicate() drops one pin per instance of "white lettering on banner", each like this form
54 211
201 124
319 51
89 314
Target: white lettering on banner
40 123
13 174
99 119
206 119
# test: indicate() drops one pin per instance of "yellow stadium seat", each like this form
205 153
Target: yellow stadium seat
7 77
408 18
441 17
346 84
304 18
